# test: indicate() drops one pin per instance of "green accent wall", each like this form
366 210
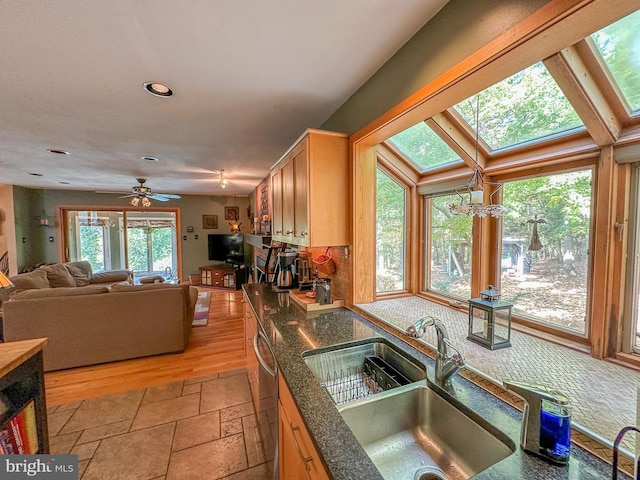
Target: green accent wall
38 249
461 28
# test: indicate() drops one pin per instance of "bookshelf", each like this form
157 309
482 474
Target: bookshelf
23 418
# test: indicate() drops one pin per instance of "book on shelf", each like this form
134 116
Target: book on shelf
20 434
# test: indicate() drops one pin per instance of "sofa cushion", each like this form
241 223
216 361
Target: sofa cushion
110 276
59 276
58 292
30 280
80 271
119 287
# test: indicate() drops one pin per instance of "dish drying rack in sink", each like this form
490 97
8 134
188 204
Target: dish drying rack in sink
373 377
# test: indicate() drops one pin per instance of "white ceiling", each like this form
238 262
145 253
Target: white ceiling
248 75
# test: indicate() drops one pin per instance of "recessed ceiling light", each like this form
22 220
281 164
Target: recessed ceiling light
150 159
36 174
59 152
158 89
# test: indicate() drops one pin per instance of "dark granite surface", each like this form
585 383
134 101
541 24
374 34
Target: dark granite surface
292 331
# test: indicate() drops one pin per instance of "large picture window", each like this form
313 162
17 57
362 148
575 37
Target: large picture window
390 234
545 248
448 251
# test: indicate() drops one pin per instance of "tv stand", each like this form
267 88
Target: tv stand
229 277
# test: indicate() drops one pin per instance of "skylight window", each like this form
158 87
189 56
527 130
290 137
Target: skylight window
423 147
524 107
619 45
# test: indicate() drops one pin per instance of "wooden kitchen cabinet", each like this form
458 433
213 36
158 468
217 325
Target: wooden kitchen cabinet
297 456
310 191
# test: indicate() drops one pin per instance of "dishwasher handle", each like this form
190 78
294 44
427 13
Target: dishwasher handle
271 371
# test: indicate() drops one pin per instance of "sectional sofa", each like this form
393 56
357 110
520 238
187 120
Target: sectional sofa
102 318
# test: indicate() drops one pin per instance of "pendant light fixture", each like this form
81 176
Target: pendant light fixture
472 194
223 179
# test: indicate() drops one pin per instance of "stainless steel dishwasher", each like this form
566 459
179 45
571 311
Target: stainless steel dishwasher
267 407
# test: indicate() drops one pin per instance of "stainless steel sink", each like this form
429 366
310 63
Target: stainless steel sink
413 433
357 370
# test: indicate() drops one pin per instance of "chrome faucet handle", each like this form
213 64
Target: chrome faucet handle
418 329
457 357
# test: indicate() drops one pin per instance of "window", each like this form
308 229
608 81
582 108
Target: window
424 148
150 242
619 45
390 234
545 247
631 326
449 253
526 106
99 238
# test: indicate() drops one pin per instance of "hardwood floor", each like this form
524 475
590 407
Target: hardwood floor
216 347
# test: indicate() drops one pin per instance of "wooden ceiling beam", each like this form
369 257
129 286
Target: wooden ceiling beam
457 134
585 95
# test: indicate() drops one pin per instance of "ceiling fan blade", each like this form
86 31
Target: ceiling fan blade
129 195
158 197
121 192
166 195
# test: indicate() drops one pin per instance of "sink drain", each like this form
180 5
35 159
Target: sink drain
430 473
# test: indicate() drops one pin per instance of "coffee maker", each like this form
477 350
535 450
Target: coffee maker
285 274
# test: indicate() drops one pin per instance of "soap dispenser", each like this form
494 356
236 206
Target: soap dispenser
546 421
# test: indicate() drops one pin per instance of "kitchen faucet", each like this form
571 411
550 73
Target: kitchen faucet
446 365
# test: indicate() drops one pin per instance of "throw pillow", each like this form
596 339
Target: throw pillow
59 276
58 292
79 274
27 281
80 271
110 276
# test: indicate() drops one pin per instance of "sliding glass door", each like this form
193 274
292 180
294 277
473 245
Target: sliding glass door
142 241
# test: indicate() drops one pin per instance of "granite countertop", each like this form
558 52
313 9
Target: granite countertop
291 331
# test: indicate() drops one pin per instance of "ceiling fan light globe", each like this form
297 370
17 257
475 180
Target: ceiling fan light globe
135 201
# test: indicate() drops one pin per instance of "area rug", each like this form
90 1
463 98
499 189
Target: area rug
201 314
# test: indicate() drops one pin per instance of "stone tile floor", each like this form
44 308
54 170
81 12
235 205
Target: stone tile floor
603 394
192 429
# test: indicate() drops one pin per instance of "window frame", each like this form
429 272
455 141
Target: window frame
426 252
529 320
404 182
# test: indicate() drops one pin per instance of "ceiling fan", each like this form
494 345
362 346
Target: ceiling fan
141 195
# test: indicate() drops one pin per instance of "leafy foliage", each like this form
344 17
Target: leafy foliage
424 147
526 106
619 45
390 233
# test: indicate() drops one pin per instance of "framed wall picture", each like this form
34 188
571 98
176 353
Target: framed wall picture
231 213
209 221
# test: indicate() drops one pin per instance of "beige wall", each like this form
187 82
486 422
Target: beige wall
37 247
458 30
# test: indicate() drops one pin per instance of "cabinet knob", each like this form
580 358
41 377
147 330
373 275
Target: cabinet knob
278 232
289 232
303 234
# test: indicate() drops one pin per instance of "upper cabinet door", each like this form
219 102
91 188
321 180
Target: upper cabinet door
300 200
287 201
314 191
276 202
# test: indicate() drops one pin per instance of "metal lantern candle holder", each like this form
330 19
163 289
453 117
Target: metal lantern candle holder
490 320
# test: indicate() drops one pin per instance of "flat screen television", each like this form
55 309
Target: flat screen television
228 248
